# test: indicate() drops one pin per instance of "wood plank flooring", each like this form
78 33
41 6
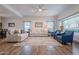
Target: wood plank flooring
9 49
48 50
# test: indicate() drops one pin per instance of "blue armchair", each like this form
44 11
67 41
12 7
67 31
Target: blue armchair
66 37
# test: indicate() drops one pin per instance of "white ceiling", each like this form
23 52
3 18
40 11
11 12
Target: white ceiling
24 10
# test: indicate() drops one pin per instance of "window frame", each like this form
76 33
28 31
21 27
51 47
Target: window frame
72 18
24 26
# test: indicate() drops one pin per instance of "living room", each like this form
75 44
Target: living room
36 29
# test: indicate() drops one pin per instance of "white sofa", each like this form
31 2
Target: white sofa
39 32
16 37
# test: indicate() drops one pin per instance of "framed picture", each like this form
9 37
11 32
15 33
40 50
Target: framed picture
11 24
38 24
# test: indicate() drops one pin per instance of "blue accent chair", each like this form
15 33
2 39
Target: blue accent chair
66 37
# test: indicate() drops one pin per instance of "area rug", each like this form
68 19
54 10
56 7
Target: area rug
38 41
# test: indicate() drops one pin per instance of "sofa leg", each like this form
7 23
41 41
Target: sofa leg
63 43
71 43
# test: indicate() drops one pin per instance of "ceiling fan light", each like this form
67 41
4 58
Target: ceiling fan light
40 10
32 10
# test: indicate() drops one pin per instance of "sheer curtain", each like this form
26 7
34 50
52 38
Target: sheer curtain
50 25
27 26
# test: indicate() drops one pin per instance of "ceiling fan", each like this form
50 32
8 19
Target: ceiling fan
39 8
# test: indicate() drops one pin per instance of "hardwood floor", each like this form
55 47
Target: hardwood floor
9 49
47 50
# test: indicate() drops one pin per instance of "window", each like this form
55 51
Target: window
50 26
27 26
72 23
60 23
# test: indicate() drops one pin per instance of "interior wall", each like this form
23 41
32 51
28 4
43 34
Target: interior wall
18 24
34 29
0 19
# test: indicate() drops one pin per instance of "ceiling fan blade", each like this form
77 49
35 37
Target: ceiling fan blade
44 9
40 6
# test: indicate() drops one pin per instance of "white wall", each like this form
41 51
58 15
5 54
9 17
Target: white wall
33 20
0 19
18 24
